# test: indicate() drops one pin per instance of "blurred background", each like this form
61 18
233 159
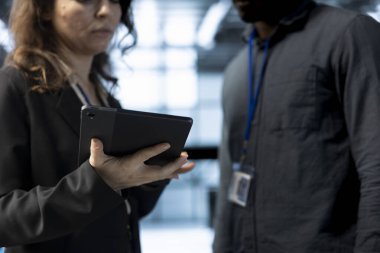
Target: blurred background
177 68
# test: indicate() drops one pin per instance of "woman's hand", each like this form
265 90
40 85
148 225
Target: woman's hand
130 170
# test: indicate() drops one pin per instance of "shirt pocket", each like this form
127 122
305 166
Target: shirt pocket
290 100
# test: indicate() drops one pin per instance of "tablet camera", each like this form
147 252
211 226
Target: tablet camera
91 115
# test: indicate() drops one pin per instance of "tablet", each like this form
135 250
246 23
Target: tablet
124 132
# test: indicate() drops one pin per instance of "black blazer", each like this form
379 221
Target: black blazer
47 203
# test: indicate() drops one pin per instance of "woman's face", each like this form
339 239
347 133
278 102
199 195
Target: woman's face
85 27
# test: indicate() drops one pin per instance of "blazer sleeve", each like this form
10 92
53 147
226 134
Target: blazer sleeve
31 213
358 75
145 197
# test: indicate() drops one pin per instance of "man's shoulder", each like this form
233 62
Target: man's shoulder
332 20
333 15
337 15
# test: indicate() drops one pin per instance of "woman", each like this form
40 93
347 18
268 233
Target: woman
47 203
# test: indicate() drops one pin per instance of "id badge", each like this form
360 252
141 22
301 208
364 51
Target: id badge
239 188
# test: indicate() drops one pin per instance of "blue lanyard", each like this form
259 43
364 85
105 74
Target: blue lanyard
253 96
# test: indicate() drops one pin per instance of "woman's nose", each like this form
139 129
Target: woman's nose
104 8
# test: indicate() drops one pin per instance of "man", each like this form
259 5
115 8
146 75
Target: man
300 154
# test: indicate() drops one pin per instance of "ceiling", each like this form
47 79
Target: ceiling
224 38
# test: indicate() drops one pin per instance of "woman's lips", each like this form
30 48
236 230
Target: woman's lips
103 32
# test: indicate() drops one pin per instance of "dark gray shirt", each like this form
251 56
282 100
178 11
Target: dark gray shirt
315 142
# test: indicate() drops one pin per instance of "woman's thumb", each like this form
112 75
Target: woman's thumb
96 151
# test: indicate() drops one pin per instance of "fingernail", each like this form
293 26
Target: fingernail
183 159
166 146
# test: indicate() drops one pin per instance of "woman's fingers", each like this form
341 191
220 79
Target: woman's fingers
147 153
186 168
131 170
169 169
179 166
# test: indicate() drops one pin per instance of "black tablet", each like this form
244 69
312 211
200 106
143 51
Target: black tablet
125 132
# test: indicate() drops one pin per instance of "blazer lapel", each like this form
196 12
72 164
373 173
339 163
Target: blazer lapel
69 107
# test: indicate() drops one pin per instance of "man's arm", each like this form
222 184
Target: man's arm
357 66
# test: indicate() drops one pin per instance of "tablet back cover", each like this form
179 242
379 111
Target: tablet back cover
125 132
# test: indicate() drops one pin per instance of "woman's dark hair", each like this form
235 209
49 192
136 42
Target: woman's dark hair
36 49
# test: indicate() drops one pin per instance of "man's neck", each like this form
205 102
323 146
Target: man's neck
264 30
